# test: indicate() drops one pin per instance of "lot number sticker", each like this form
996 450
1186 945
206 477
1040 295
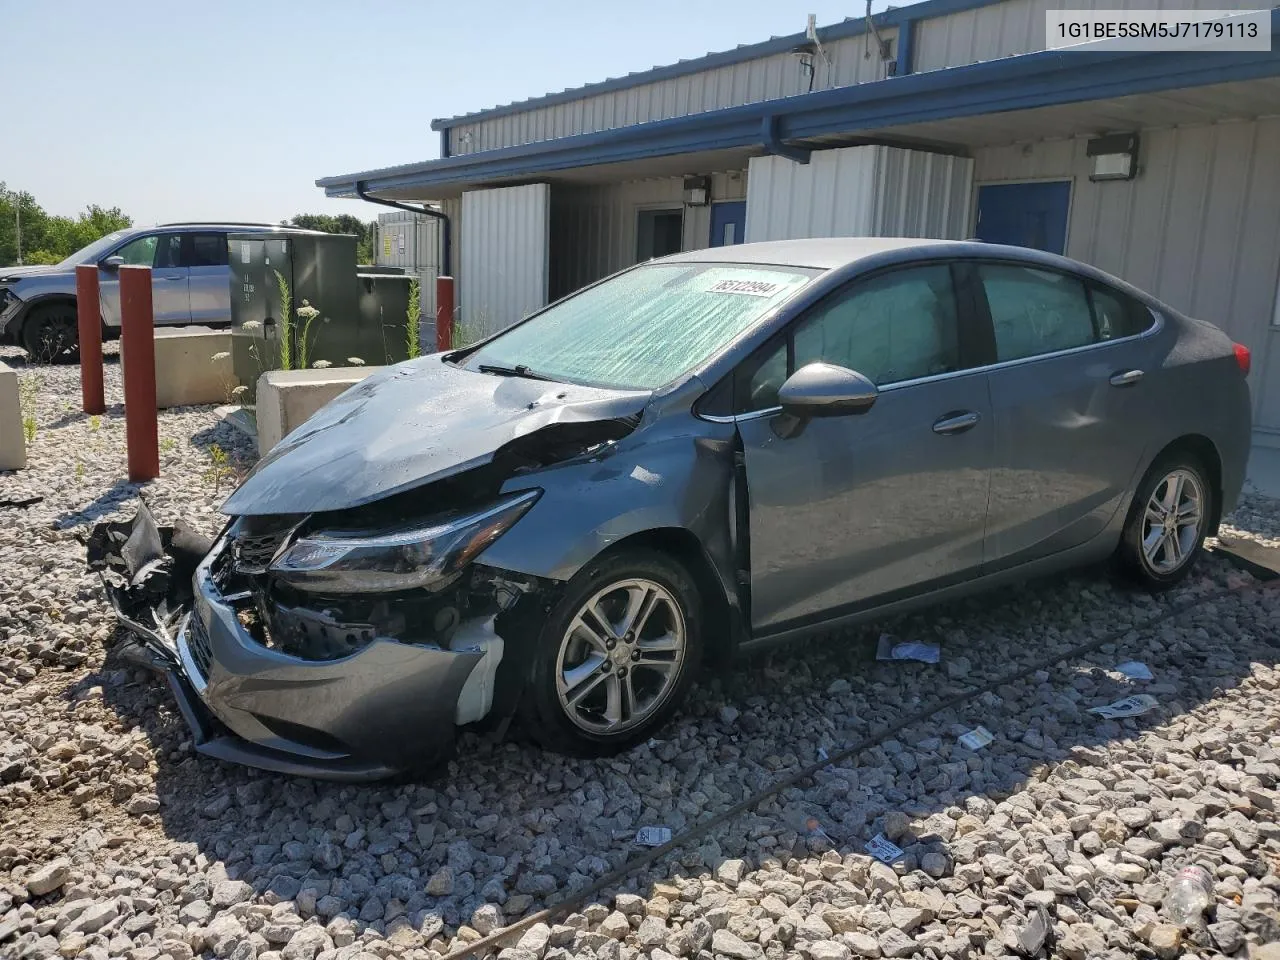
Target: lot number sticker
752 288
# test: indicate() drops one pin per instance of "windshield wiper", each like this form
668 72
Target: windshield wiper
519 370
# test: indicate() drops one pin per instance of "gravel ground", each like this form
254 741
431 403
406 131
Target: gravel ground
116 840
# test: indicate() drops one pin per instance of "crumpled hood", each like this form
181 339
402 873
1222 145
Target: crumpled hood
413 423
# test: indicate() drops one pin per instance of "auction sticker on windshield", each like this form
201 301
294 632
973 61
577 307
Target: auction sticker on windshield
752 288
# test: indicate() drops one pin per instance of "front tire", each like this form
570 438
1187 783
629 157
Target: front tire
617 655
50 334
1167 522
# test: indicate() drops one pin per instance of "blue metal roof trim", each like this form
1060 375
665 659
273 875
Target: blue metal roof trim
849 27
1045 78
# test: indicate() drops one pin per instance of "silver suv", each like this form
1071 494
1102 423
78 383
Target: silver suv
190 285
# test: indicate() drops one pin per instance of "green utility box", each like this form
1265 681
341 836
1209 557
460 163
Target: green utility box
272 274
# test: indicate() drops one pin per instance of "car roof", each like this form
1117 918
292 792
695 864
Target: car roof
230 226
824 253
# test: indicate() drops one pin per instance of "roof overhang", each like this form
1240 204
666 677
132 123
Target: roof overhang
720 138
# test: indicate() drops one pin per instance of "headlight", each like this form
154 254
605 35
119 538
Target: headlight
398 560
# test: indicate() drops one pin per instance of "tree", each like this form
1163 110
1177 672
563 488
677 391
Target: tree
345 223
46 238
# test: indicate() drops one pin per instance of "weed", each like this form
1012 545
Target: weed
228 379
413 319
285 333
307 314
79 471
95 422
168 445
29 388
220 468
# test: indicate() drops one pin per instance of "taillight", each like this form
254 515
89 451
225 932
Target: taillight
1243 358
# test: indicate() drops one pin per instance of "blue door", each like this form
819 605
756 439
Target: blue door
1025 214
728 223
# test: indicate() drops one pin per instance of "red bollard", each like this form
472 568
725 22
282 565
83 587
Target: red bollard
89 321
444 314
138 343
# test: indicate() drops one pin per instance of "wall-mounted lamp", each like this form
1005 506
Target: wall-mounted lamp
697 191
1114 157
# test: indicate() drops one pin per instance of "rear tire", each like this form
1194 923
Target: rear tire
1170 514
50 333
616 657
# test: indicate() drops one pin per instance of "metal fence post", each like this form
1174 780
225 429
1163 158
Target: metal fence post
89 323
444 313
138 343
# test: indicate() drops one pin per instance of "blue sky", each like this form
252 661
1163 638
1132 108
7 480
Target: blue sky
233 109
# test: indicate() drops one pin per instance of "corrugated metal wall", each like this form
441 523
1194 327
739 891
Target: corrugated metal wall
1199 227
504 256
1017 26
412 242
593 228
868 191
766 78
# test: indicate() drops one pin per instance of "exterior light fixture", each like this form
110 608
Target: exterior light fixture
1113 157
697 191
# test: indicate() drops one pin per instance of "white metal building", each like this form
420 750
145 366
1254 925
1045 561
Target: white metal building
945 118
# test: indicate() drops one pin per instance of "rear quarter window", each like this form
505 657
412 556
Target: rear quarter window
1117 315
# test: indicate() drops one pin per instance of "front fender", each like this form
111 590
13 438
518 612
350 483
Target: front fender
13 320
667 476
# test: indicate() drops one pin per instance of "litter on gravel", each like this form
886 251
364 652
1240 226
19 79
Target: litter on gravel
1135 670
977 738
890 648
653 836
1134 706
884 849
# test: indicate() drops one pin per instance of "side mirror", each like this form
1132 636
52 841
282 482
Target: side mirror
825 390
111 263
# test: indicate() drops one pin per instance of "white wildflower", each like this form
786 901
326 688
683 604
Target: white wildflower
355 361
221 355
321 365
251 325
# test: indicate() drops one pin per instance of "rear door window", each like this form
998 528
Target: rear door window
205 250
1035 311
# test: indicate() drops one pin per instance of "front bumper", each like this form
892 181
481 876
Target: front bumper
387 708
10 307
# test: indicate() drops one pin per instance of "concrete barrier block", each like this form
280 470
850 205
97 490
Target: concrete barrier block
288 397
13 444
186 371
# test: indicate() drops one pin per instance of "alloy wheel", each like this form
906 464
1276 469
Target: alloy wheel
54 336
621 656
1172 521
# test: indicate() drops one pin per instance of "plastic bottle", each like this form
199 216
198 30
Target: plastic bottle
1189 895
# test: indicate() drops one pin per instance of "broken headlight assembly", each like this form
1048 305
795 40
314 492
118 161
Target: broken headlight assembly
425 555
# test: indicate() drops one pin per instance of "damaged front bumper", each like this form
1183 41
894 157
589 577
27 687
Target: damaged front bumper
386 708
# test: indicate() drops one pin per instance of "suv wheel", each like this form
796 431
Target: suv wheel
617 655
50 333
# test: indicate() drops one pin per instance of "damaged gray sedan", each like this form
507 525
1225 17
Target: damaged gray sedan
716 450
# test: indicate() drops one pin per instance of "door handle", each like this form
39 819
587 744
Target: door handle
174 276
1126 378
956 422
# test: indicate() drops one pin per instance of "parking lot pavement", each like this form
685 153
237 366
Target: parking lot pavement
1057 837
